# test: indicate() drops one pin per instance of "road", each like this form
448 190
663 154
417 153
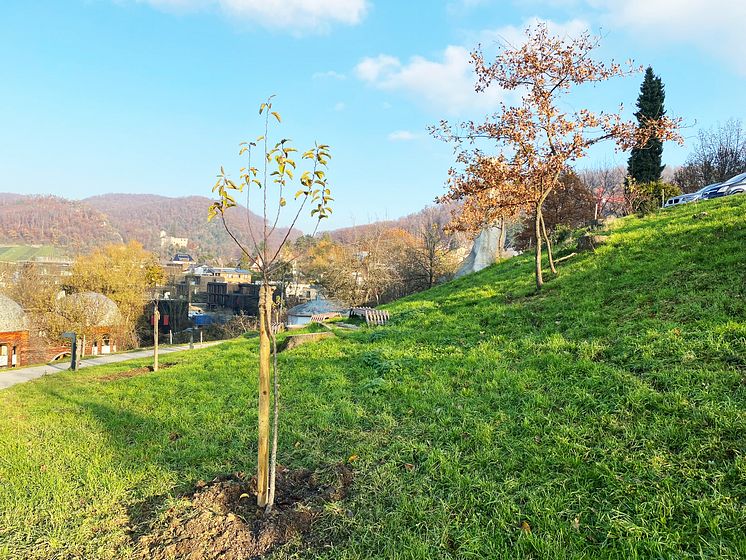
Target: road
11 377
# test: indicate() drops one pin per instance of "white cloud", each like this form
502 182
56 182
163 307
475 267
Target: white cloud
298 16
447 84
514 35
330 74
402 136
716 26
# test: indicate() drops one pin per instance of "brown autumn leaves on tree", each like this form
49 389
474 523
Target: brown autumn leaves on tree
511 162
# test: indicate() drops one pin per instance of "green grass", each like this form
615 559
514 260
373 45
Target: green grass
607 412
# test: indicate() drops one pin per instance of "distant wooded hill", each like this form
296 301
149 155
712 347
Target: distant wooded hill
439 214
79 226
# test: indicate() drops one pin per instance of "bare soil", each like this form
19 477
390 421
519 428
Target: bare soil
220 519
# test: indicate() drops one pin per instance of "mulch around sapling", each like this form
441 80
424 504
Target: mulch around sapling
220 519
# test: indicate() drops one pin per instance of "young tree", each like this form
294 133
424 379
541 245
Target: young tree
644 164
270 180
536 140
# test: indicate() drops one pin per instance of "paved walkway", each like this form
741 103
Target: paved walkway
12 377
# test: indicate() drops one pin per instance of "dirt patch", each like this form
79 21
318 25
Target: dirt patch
220 519
132 372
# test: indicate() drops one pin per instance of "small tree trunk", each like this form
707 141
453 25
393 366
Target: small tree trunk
549 246
537 236
501 240
262 474
275 420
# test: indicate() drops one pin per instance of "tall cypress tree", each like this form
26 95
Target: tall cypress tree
644 164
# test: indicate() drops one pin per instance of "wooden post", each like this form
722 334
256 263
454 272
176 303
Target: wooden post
170 336
262 476
156 320
200 337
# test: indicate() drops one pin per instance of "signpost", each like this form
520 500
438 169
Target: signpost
74 350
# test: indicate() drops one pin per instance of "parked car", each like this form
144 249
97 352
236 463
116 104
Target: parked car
736 185
698 195
688 197
715 190
675 201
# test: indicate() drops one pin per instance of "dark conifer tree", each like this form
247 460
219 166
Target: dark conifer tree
644 165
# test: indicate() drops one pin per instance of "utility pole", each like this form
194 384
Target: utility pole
156 320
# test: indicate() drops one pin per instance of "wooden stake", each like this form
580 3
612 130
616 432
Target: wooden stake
262 476
156 320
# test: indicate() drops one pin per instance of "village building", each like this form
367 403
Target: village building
96 320
170 241
14 334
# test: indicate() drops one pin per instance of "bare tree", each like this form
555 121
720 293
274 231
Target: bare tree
606 184
718 155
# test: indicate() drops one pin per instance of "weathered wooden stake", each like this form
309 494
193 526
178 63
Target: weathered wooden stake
156 320
262 475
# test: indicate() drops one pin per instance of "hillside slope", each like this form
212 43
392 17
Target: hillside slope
142 217
52 220
601 418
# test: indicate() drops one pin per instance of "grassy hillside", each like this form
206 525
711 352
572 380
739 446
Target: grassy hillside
603 418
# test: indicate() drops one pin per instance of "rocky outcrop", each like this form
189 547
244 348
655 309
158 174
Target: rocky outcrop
484 252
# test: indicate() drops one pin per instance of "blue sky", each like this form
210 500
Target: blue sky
153 96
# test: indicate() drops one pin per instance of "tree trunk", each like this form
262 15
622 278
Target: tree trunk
549 245
501 240
262 474
537 235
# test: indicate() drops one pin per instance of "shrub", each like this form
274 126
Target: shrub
645 198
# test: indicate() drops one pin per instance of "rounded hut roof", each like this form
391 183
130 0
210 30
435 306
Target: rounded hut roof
316 307
99 310
12 316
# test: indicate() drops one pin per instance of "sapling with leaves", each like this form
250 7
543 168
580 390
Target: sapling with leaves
266 183
513 160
